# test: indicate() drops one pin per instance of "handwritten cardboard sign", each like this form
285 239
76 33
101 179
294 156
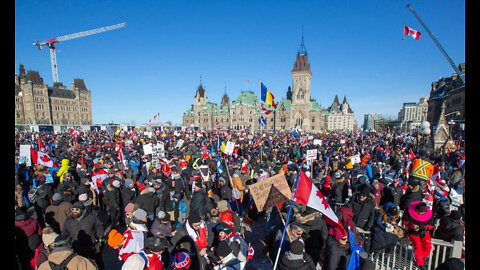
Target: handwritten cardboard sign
261 191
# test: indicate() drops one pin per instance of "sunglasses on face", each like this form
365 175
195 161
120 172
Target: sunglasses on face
76 209
344 239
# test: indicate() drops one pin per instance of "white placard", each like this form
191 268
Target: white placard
179 143
25 156
147 149
317 142
355 159
229 148
311 154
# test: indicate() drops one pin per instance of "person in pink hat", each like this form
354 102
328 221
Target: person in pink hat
418 221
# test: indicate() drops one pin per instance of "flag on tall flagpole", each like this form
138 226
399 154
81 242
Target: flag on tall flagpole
308 194
267 96
407 31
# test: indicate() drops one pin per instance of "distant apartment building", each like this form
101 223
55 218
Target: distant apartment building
413 114
369 120
39 104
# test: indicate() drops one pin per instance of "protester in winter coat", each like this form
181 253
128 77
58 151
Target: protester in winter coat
225 190
148 201
451 227
63 253
441 205
228 261
86 232
296 258
386 232
412 194
418 220
44 249
155 248
392 193
337 252
179 209
63 169
196 237
27 236
340 189
198 203
363 207
129 191
113 198
57 212
316 232
42 199
162 226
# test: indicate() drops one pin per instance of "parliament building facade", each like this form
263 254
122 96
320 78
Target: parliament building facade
297 109
39 104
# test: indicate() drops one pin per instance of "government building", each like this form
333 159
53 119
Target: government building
296 109
39 104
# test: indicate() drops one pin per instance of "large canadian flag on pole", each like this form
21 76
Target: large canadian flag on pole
307 194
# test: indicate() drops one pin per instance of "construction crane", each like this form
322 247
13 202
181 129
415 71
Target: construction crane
51 43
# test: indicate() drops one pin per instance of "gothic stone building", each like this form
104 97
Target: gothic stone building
298 108
39 104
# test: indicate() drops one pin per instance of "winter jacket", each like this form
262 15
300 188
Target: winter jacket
148 201
84 231
113 197
364 212
449 230
63 169
306 263
56 214
58 255
198 202
392 194
28 231
336 256
441 208
410 196
339 191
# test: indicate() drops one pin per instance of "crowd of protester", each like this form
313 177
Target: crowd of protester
189 206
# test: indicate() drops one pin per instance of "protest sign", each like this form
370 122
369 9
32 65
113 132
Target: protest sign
25 155
311 154
147 149
260 191
229 148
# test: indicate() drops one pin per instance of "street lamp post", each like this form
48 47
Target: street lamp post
424 131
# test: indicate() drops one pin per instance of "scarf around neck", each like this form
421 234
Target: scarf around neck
201 238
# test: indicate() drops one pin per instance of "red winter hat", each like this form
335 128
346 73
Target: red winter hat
141 187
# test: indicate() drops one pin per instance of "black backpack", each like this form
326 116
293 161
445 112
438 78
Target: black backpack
63 265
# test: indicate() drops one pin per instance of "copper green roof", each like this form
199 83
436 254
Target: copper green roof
314 106
286 103
246 98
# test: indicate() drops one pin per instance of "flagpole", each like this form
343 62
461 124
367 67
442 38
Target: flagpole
286 222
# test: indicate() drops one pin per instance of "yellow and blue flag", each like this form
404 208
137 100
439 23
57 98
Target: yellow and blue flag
267 96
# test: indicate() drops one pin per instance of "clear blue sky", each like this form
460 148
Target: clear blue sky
154 64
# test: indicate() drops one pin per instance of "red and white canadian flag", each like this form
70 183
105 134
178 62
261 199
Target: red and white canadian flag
304 142
308 194
98 176
411 32
73 132
265 110
42 159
